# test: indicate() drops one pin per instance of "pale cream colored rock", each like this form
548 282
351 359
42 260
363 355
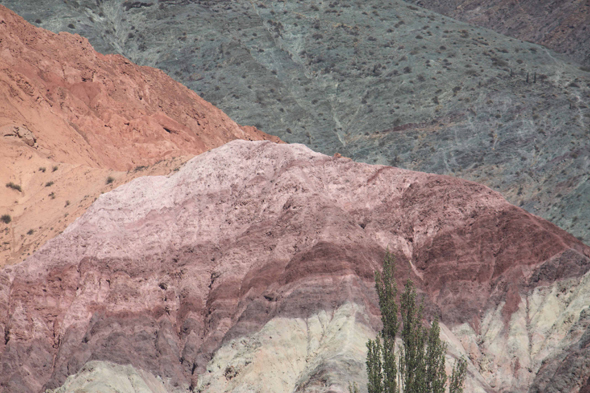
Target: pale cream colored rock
508 357
107 377
287 352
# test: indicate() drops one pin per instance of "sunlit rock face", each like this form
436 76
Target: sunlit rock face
383 82
83 107
251 269
71 117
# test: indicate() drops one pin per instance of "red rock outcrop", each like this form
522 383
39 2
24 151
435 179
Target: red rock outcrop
63 105
84 107
163 271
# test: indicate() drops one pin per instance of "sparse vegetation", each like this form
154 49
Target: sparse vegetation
110 179
49 184
42 169
14 186
30 232
5 218
353 388
55 168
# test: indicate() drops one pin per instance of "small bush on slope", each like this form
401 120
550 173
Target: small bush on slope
14 186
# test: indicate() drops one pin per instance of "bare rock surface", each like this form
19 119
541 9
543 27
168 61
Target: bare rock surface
104 111
382 82
107 377
258 258
72 118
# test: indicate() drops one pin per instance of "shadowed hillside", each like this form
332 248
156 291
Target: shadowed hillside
380 82
562 25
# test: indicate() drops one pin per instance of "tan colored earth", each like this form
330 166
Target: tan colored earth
70 118
40 212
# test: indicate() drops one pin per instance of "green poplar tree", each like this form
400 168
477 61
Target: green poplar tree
420 365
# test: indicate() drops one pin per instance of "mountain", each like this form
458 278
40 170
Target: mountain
251 266
561 25
380 82
251 269
75 123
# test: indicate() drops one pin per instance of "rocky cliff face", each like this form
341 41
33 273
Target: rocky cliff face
251 269
381 82
561 25
71 119
83 107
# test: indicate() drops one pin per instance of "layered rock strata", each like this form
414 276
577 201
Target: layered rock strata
79 106
75 123
251 269
381 82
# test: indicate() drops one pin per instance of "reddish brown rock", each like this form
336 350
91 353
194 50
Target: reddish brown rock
65 106
162 271
87 108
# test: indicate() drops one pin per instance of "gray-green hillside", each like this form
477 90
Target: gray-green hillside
381 82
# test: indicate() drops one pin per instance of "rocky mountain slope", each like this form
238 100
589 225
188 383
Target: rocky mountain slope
72 121
562 25
381 82
251 269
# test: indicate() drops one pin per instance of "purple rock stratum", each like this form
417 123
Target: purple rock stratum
251 269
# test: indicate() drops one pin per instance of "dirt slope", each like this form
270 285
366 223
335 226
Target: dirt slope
382 82
82 116
562 25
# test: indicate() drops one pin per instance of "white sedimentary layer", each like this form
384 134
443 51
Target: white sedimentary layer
107 377
509 356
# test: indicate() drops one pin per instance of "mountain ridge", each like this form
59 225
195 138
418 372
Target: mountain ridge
193 275
251 266
386 83
75 123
